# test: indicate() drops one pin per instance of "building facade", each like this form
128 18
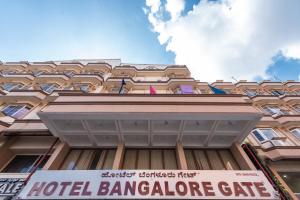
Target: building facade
99 116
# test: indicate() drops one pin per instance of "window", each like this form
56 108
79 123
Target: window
297 108
24 163
264 135
49 87
292 179
228 91
99 73
250 93
16 111
69 73
296 92
79 159
186 89
12 86
296 133
83 87
7 72
37 73
274 110
277 92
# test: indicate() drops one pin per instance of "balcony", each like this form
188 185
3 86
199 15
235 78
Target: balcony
94 120
27 126
266 99
22 78
87 78
292 99
52 78
23 96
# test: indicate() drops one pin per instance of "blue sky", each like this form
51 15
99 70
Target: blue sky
41 30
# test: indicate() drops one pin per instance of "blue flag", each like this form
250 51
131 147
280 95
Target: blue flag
216 90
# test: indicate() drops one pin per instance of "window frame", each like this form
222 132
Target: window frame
51 87
297 130
251 92
270 109
277 92
39 156
14 86
22 106
260 132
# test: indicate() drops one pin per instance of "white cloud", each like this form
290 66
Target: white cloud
218 40
153 5
174 7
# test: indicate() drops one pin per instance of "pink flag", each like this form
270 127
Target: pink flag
152 90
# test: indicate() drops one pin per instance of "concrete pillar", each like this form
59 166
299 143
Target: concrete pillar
57 157
181 160
5 153
241 157
119 156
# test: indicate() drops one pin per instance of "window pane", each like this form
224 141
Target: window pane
20 113
258 136
292 179
49 88
16 111
269 133
296 132
250 93
21 164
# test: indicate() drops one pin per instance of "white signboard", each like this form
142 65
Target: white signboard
148 184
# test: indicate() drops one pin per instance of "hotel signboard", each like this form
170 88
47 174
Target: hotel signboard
10 186
148 184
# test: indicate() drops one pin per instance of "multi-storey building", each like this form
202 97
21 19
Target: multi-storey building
100 115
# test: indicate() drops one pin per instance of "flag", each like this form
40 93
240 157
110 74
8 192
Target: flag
121 91
186 89
152 90
216 90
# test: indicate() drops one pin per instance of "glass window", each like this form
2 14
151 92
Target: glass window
297 108
37 73
296 133
297 92
7 72
265 134
186 89
24 163
82 159
12 86
250 93
49 87
228 91
259 136
83 87
69 73
277 92
16 111
273 110
292 179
